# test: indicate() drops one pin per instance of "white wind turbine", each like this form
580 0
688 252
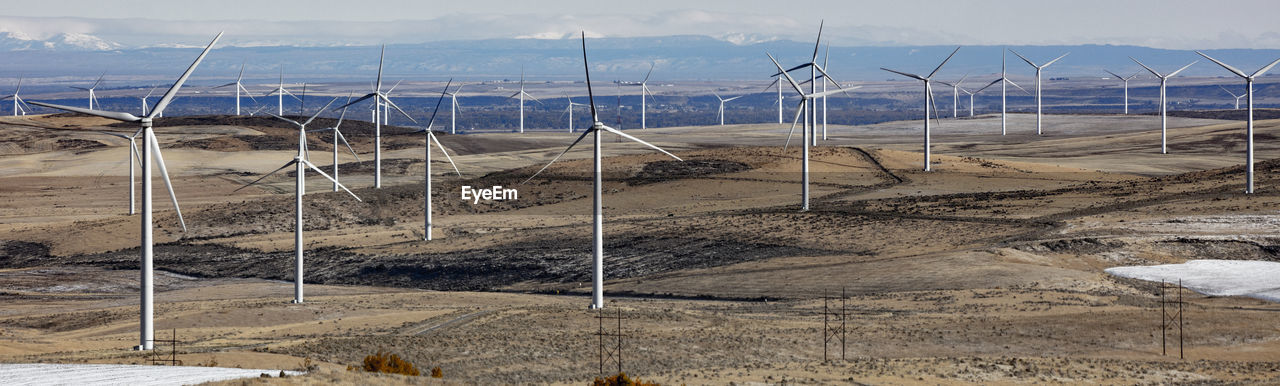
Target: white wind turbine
970 100
337 135
597 289
133 155
1233 95
1039 68
150 149
379 99
722 102
1126 87
453 108
802 109
301 164
928 101
426 190
93 99
144 100
1004 93
280 92
569 110
1164 117
1248 92
814 68
240 87
1002 97
521 94
644 90
955 95
17 100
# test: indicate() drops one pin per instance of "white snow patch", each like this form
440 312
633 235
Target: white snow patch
99 374
1251 278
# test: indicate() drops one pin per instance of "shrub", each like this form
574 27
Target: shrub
436 372
383 362
621 379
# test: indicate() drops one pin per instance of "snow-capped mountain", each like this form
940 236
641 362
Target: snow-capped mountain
67 41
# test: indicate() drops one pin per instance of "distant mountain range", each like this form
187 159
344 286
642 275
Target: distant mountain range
674 57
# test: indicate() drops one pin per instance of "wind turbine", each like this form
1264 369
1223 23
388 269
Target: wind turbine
453 108
1164 117
955 95
1126 87
523 94
93 99
144 100
1248 92
644 90
279 92
928 101
337 135
431 137
133 155
379 98
1004 93
970 100
597 289
814 68
240 87
150 149
722 102
17 100
777 81
805 131
301 164
1002 97
1038 68
569 110
1233 95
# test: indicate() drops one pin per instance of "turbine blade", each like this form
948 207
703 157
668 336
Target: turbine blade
988 85
909 75
173 91
1228 91
155 151
794 121
784 73
344 141
1171 74
433 138
126 117
1153 72
393 87
437 109
366 96
127 137
326 176
99 81
1114 74
285 119
1264 69
817 43
1054 60
264 176
590 96
944 62
1024 59
313 117
79 88
225 85
628 136
566 150
646 76
1016 85
393 105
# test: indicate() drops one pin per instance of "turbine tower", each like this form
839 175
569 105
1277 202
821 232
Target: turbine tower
722 102
521 94
301 164
777 81
928 101
1004 94
1248 92
1126 87
93 99
803 109
1233 95
150 150
379 99
240 87
17 100
597 288
453 108
1039 69
1164 116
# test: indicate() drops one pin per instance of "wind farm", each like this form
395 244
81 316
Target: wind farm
1044 239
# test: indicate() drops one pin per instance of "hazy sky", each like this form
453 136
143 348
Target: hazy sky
1162 24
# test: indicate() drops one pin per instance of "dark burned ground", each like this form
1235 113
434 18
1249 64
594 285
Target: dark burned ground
540 260
1234 115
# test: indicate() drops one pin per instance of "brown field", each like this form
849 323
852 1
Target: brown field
988 269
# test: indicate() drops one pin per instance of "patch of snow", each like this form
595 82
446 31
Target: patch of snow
1251 278
102 374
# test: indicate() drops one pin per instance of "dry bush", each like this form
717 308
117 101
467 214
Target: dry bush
383 362
436 372
621 379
